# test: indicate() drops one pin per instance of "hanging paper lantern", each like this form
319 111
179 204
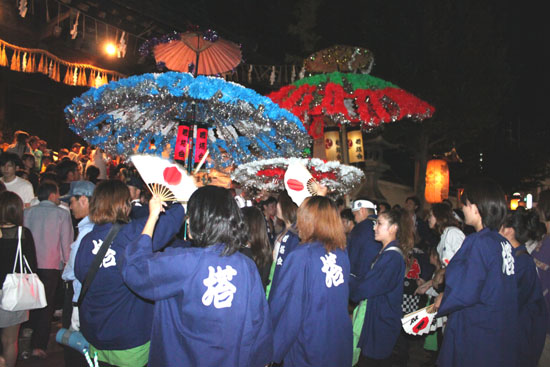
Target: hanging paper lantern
333 148
356 152
437 181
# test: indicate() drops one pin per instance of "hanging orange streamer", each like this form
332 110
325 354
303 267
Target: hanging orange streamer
24 59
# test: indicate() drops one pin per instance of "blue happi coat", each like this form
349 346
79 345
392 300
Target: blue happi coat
362 250
309 308
112 317
532 309
210 310
288 243
481 299
383 288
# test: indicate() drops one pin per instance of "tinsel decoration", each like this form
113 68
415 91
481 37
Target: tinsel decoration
350 98
340 58
268 174
124 117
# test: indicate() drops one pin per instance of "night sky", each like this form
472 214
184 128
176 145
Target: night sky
466 58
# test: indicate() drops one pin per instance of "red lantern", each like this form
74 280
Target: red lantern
437 181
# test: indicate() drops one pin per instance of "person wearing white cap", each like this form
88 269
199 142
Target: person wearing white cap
362 247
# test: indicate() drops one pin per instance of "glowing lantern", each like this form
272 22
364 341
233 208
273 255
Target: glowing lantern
355 146
514 203
333 148
437 181
110 49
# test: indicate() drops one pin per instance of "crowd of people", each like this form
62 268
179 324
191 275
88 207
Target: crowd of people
229 282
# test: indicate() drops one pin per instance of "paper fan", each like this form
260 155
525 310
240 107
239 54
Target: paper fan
418 322
164 178
299 183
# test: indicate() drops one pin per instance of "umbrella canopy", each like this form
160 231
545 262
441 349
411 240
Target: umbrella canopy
350 98
340 58
142 114
268 174
182 51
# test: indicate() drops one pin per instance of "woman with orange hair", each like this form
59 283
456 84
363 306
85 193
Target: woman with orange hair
309 302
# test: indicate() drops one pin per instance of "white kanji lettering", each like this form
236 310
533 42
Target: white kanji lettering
282 249
507 258
219 288
279 261
285 238
109 259
334 275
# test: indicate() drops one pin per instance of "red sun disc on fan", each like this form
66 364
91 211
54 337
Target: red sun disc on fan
420 325
172 175
295 185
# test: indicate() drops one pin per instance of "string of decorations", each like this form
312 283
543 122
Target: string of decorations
142 114
268 174
32 60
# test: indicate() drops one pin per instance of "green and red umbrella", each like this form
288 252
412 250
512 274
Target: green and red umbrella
356 99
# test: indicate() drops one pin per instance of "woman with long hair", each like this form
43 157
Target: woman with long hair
258 247
519 227
11 219
116 321
288 239
382 287
481 298
309 302
210 306
443 221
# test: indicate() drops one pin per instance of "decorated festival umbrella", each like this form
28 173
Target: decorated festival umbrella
340 58
268 174
142 114
357 99
200 53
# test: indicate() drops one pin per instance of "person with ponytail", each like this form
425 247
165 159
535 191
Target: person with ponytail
383 288
309 302
519 227
481 297
210 307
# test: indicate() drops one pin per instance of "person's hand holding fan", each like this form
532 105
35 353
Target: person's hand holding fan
163 178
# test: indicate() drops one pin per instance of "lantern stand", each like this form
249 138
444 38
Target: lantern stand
344 144
374 167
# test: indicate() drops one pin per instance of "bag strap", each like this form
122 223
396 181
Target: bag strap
18 253
98 259
522 252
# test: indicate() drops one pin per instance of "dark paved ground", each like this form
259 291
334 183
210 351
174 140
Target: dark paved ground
55 353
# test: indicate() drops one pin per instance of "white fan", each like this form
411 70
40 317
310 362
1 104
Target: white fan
164 178
299 183
419 322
